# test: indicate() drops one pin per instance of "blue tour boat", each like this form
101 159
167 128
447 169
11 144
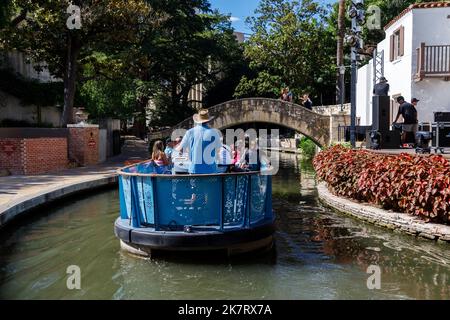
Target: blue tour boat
186 212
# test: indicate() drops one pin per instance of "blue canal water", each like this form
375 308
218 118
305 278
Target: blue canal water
318 254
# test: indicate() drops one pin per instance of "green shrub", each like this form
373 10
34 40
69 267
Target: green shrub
308 147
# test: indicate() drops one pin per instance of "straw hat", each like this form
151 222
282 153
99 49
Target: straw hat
202 116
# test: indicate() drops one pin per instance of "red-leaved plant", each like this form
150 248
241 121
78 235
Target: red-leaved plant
416 185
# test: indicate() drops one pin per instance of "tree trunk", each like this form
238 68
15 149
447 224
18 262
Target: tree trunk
140 123
73 51
174 95
340 48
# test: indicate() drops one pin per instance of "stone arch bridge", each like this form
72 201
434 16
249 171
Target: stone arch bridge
320 125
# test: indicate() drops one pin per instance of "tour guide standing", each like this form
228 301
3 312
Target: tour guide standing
203 143
381 88
409 114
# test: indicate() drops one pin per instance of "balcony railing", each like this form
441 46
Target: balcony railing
433 61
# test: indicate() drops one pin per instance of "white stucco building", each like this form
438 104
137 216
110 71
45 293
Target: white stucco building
416 58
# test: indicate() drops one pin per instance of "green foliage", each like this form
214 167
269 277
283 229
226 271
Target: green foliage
263 85
224 87
107 25
31 92
192 45
108 98
291 45
5 12
130 52
306 165
162 115
308 147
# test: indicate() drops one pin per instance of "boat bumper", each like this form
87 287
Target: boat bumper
234 240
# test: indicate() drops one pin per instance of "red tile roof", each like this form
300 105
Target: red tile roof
423 5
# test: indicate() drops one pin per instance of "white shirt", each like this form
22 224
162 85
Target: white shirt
225 158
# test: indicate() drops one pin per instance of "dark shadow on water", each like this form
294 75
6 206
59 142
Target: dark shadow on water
266 256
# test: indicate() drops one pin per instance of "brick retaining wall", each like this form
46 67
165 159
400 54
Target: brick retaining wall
83 144
30 156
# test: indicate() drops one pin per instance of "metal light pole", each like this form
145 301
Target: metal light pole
342 86
356 12
353 100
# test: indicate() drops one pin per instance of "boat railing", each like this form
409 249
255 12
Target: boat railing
188 202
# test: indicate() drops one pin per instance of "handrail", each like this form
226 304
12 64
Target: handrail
231 204
169 176
187 122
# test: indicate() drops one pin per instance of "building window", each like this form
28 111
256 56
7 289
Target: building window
397 43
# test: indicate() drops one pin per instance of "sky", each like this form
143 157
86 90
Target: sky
240 10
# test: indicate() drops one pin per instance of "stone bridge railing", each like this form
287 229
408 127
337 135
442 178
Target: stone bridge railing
320 127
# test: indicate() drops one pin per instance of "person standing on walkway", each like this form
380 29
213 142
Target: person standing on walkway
284 94
306 101
409 114
203 144
290 96
381 88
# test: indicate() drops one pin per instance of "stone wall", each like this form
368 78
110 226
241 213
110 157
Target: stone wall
337 120
401 222
332 109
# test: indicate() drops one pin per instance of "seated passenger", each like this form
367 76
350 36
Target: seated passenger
169 149
159 158
203 143
225 159
235 152
253 158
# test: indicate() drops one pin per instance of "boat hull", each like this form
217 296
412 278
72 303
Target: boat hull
142 241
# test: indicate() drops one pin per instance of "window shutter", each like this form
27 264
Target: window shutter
391 51
402 41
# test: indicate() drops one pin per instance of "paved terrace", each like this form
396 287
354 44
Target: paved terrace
21 193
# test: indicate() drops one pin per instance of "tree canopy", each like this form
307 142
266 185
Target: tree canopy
129 55
285 50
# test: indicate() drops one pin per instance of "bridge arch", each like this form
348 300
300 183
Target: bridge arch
232 113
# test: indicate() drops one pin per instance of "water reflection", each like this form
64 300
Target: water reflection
319 255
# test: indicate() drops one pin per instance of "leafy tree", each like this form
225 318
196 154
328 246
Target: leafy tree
193 45
291 46
40 30
109 98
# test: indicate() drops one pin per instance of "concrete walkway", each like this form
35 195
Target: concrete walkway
21 193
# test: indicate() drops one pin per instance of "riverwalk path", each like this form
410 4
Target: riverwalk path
19 194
